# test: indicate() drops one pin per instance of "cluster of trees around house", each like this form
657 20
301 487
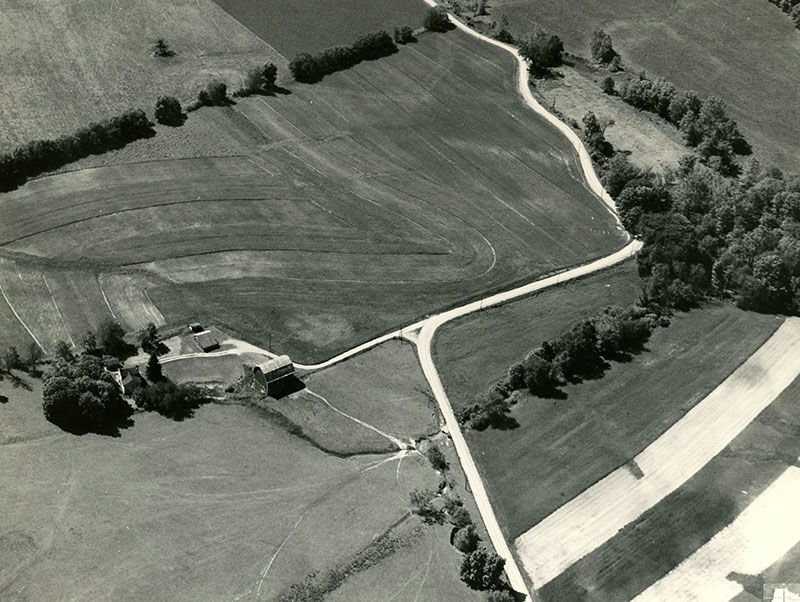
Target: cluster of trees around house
579 352
40 156
791 8
80 395
710 235
705 125
309 68
480 569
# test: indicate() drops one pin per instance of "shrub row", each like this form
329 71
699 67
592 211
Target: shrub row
317 586
313 67
41 156
578 352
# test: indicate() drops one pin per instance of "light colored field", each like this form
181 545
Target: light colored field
601 511
234 506
744 52
658 541
69 63
127 299
342 209
764 532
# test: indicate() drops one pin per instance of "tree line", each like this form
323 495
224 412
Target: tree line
310 68
480 568
579 352
39 156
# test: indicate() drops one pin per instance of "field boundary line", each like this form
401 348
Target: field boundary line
58 311
102 292
21 321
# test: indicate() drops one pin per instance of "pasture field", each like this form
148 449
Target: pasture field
676 527
291 26
562 446
341 210
474 352
70 63
747 53
235 506
383 386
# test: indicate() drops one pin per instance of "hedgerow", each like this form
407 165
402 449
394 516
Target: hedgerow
310 68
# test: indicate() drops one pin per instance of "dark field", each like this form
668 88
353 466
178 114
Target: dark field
339 211
672 530
292 26
562 446
747 53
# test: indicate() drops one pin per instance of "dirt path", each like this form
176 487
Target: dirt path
597 514
766 530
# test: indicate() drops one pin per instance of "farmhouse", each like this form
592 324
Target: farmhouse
130 379
271 375
206 341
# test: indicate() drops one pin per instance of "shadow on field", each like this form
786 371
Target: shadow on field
289 385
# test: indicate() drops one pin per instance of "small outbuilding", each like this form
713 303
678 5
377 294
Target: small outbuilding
272 375
207 342
196 327
131 379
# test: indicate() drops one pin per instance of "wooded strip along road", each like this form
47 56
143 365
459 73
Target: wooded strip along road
599 512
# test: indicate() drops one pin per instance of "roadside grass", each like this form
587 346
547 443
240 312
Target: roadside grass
384 387
659 540
291 28
68 64
346 208
474 352
562 446
744 52
233 504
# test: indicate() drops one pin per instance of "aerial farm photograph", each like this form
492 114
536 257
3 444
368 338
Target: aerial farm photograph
400 301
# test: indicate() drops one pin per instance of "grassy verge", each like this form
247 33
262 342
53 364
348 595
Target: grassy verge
673 529
562 446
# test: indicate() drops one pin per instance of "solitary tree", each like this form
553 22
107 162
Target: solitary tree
436 19
602 49
149 338
153 370
111 337
168 111
466 540
161 49
13 360
437 458
90 345
422 505
261 79
542 50
608 85
64 352
482 570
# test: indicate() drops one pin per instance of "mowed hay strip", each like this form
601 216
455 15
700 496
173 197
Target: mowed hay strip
602 510
766 530
126 296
